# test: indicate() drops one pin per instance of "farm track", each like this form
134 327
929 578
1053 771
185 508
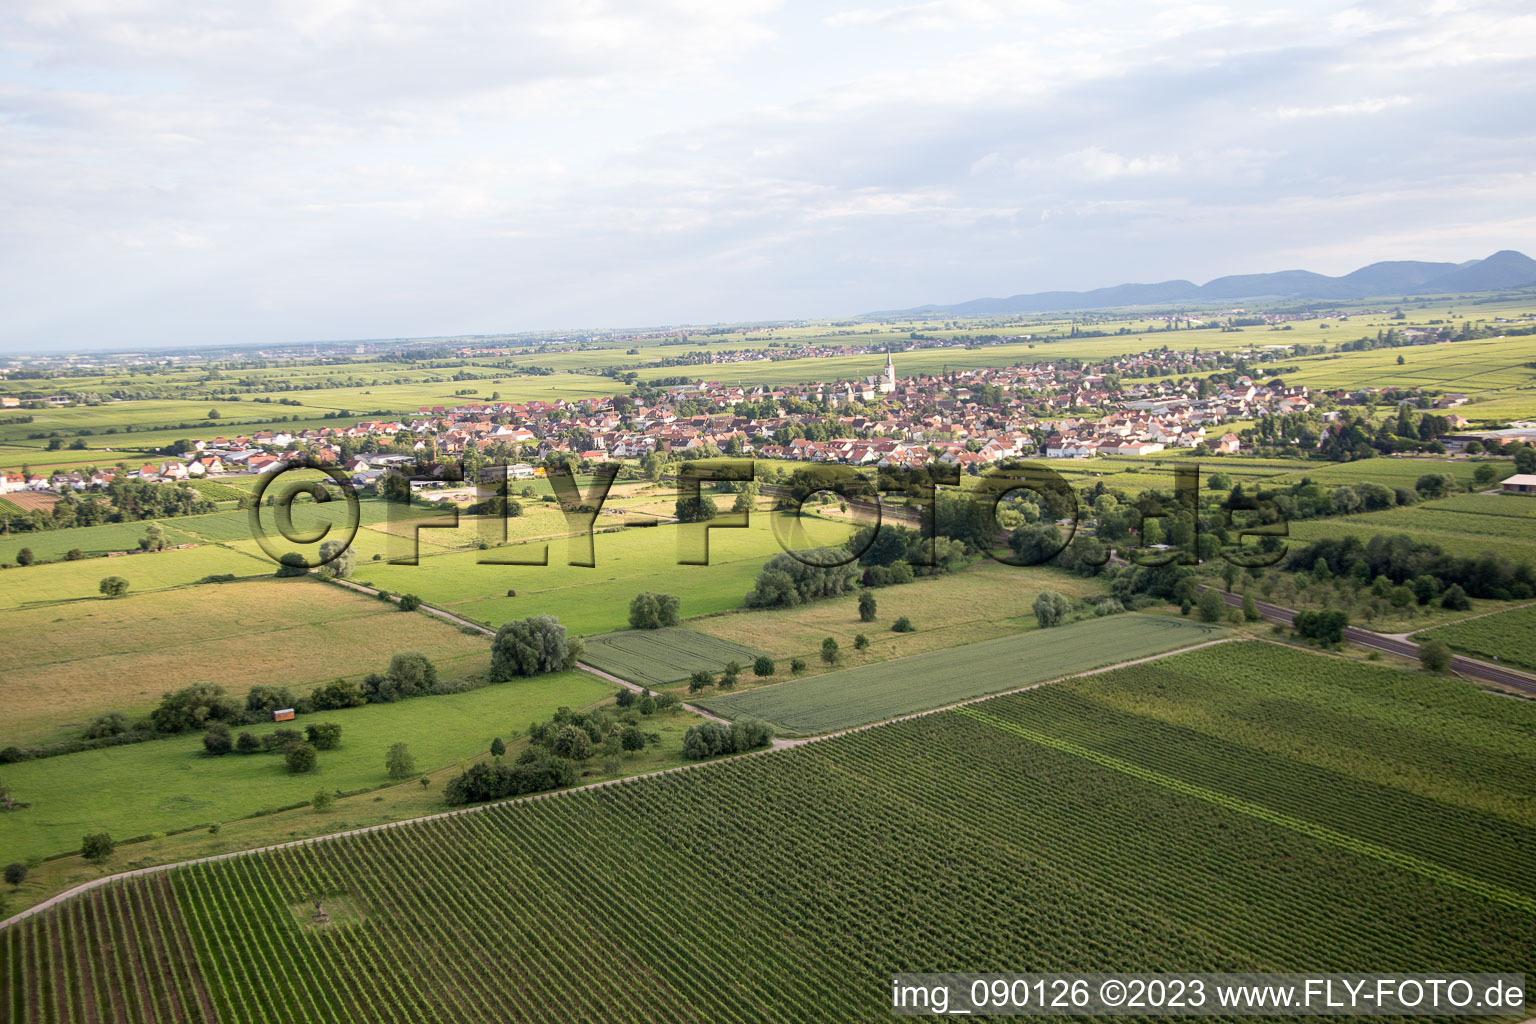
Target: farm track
778 744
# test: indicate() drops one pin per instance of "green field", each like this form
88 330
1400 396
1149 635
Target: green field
1243 808
73 581
871 693
169 784
1455 533
1508 636
91 540
656 657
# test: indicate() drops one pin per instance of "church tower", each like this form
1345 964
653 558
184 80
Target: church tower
888 381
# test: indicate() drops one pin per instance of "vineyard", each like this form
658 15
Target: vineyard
1503 637
1217 810
656 657
872 693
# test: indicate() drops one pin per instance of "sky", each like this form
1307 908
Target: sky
291 170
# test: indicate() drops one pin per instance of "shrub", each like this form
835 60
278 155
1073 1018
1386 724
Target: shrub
496 780
1250 608
399 763
763 666
267 699
829 651
73 555
1455 599
337 694
281 739
654 611
860 642
695 510
113 586
324 735
498 748
194 706
532 646
292 564
712 739
867 607
322 799
217 740
110 724
25 557
902 625
1211 606
301 758
1435 656
797 666
409 602
785 581
15 872
96 847
247 743
1051 609
572 743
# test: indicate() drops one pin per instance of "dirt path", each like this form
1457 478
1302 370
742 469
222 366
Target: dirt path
778 744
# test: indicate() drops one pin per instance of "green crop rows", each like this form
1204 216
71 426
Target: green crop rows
871 693
1506 636
1198 813
656 657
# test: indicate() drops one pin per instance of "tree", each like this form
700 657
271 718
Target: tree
291 564
1455 599
700 679
324 735
744 502
301 758
153 539
498 748
1435 485
247 743
860 642
654 611
338 694
632 739
96 847
113 586
573 743
867 607
409 602
217 741
337 559
322 800
1483 475
797 666
530 647
25 557
786 581
762 667
1051 609
73 555
1435 656
696 510
263 700
15 873
193 707
399 762
213 414
902 625
829 651
1250 608
729 675
1525 460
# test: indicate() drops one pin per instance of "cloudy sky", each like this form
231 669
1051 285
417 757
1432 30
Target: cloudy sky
286 170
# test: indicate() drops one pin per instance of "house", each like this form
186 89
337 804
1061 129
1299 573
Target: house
1520 483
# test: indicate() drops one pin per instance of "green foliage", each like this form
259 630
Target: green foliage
323 735
337 558
860 642
696 510
409 602
654 611
498 748
699 679
1051 609
532 646
217 741
113 586
338 694
398 762
797 666
1250 608
292 564
322 800
301 758
1211 606
785 581
498 780
96 847
902 625
1326 627
194 706
867 607
713 739
1435 655
829 651
15 873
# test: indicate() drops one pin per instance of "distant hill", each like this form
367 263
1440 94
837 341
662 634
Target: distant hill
1504 269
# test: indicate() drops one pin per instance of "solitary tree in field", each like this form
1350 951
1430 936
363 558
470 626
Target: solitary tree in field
153 539
96 847
695 510
700 679
399 762
1435 656
829 651
498 748
763 666
113 586
337 559
322 799
860 642
25 557
15 873
301 758
867 607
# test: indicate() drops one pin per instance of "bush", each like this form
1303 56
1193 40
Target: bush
786 581
530 647
497 780
1211 606
292 564
1326 627
25 557
695 510
573 743
337 694
867 607
73 555
1250 608
797 666
281 739
712 739
193 707
217 741
301 758
763 666
110 724
324 735
829 651
337 559
96 847
263 700
15 872
409 602
247 743
1051 609
1435 656
399 763
860 642
1455 599
654 611
498 748
902 625
322 799
113 586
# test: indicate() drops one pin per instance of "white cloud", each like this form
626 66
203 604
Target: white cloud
1374 105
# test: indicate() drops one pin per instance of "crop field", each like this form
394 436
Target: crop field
167 784
656 657
48 545
1514 505
64 664
870 693
1240 808
1389 472
1508 636
75 581
1481 366
1456 533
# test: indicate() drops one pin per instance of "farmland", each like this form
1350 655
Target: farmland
656 657
122 655
1508 636
871 693
1239 808
75 581
167 784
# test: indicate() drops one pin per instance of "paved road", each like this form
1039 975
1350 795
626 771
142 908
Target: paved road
1472 667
